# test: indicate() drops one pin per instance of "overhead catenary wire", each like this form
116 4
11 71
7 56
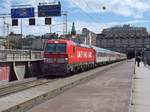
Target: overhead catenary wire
87 14
91 8
97 8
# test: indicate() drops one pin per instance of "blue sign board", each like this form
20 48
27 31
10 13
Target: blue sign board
49 10
22 12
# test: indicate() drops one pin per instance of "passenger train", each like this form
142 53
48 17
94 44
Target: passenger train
63 57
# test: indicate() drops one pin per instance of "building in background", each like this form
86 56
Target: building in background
89 37
2 41
50 36
86 37
125 39
14 36
39 44
15 41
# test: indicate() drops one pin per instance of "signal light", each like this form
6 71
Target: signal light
32 21
14 22
48 21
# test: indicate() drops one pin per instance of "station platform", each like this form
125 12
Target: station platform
108 92
141 89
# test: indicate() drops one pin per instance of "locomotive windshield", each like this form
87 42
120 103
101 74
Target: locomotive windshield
56 48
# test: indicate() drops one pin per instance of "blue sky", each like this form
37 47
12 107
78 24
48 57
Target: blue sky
85 13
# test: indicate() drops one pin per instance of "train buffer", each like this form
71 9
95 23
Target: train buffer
141 89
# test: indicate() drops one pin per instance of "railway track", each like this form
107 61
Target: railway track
17 86
13 87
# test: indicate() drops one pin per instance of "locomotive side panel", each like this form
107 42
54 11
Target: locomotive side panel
78 54
80 58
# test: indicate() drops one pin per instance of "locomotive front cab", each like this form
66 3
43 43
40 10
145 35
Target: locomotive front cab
55 58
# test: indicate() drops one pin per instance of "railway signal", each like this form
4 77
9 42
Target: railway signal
32 21
14 22
48 21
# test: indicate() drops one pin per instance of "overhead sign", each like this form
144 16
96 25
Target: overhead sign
49 10
22 12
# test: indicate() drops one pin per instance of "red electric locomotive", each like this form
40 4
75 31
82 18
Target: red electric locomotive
64 56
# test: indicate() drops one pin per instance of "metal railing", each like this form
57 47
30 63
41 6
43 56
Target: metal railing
20 55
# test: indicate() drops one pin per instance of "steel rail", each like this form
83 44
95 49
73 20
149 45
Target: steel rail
22 85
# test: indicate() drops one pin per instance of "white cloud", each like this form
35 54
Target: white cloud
132 8
5 6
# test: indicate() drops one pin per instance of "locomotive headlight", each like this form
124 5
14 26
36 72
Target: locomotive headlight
62 60
48 60
66 59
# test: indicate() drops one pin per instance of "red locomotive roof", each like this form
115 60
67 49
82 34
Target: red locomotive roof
62 41
68 42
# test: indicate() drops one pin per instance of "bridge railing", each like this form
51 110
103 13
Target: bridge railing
20 55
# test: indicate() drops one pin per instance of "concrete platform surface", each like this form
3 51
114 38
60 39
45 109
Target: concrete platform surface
141 90
26 99
108 92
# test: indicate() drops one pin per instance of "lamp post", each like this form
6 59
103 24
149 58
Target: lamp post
7 35
134 60
135 54
147 47
65 22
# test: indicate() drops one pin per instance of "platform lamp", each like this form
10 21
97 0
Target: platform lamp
134 60
142 52
147 47
135 52
65 22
